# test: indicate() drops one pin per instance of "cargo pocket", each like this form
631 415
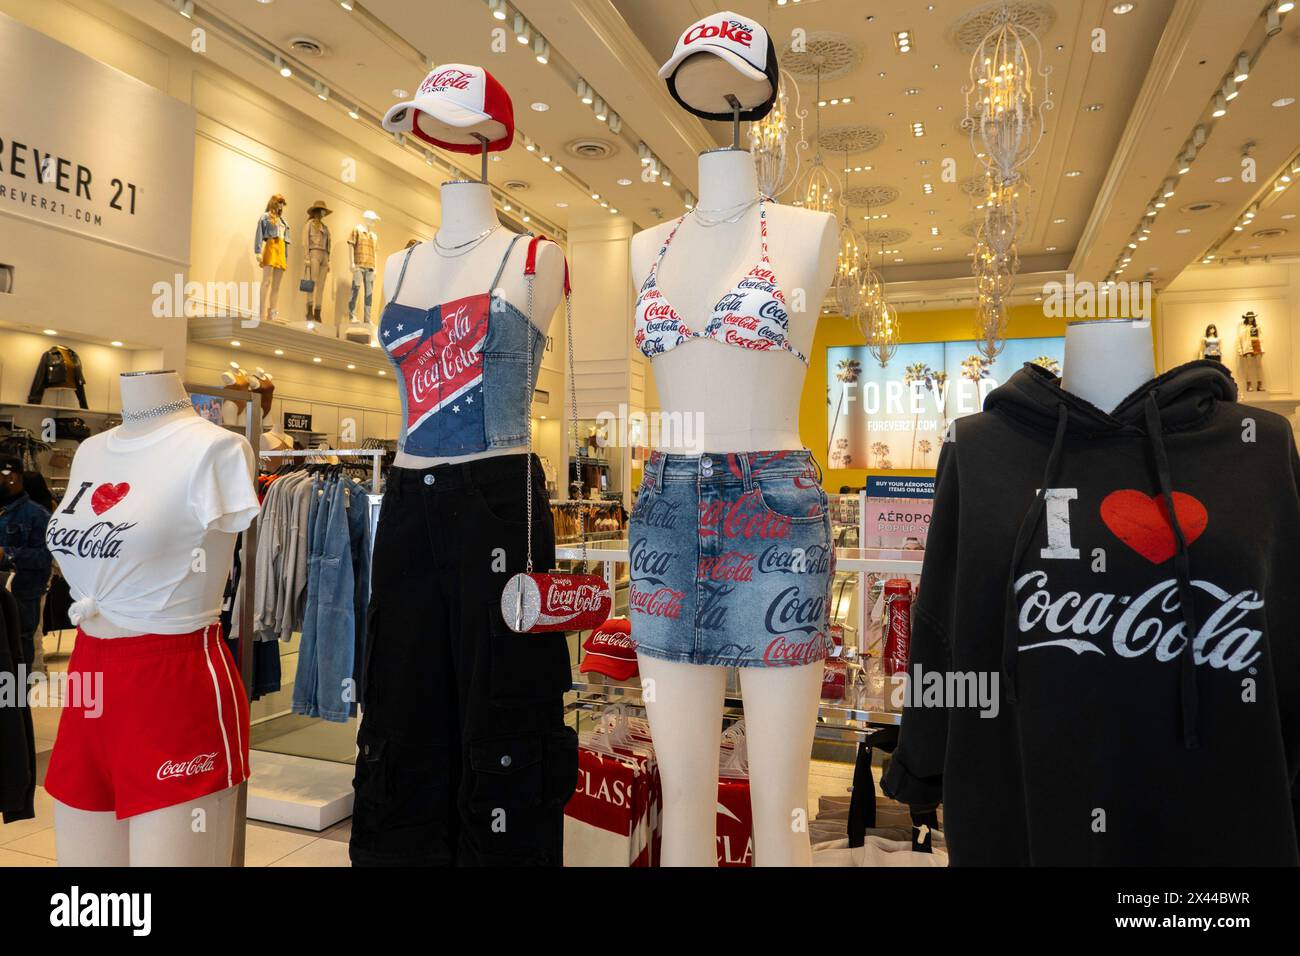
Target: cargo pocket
402 809
527 669
525 772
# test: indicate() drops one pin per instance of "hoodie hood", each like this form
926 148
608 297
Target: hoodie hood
1185 397
1179 400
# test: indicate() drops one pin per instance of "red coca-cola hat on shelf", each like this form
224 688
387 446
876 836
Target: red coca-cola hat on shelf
610 650
455 102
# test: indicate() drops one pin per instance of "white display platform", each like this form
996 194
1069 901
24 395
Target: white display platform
298 791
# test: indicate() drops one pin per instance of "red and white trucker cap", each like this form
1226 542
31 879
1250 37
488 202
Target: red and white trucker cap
454 102
741 43
610 650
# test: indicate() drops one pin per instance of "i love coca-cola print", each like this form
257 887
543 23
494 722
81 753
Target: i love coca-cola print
1147 619
66 535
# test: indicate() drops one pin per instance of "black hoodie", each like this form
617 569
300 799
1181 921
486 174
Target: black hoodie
1115 741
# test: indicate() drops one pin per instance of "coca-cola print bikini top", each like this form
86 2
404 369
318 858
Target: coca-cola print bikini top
462 369
751 315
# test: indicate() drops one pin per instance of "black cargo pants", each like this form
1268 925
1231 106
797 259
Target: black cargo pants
464 757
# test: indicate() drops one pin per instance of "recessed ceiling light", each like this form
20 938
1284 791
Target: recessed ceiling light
936 248
234 342
1224 179
1094 107
50 331
561 205
354 114
625 182
316 358
116 344
1122 8
1182 232
401 94
911 92
1284 101
1058 221
382 372
1073 172
540 107
899 259
279 351
1051 248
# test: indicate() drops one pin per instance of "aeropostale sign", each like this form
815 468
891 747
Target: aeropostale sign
88 149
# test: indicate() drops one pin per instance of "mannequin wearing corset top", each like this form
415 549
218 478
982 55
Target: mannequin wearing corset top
432 277
163 837
746 400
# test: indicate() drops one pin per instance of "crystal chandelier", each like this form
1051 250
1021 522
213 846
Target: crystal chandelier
877 319
768 139
995 278
817 188
1004 110
848 261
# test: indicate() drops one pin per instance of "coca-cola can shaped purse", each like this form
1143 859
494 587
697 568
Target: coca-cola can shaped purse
538 602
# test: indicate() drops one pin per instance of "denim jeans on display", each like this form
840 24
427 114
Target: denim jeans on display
361 277
464 755
731 560
325 685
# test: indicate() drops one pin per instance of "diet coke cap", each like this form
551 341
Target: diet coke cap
610 650
741 44
454 102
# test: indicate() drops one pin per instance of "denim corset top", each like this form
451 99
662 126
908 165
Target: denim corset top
462 370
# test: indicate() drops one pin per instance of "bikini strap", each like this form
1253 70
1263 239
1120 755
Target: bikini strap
663 251
504 259
402 275
762 229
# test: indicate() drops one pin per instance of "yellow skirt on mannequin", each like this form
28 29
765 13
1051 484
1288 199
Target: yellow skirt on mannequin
273 254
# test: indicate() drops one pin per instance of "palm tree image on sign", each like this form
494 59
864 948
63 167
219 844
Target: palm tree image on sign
896 416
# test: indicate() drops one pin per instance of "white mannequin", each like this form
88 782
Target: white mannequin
162 837
1106 360
360 330
432 279
747 401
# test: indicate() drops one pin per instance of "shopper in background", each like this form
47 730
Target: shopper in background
22 549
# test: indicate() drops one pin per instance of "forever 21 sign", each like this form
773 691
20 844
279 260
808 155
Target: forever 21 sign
90 150
23 162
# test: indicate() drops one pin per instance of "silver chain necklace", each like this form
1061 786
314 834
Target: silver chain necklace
156 411
451 252
715 217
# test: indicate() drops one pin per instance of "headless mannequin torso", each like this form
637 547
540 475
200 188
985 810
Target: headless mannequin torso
1107 360
746 401
162 837
433 278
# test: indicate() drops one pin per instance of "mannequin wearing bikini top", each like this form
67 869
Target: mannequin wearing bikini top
748 398
433 278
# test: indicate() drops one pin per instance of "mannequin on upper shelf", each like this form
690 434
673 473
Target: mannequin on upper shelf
721 314
270 245
318 256
361 260
1211 346
1250 353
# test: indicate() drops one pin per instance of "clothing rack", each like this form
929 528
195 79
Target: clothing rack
375 455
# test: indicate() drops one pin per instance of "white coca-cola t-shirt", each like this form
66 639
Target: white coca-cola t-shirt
146 529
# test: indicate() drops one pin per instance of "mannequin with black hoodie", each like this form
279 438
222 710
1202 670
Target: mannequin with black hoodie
1071 551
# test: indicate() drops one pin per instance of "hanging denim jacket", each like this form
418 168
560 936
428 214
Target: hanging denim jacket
267 229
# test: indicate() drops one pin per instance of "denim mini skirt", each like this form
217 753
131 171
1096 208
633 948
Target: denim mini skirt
731 560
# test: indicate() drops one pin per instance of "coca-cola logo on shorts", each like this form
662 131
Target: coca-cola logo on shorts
173 769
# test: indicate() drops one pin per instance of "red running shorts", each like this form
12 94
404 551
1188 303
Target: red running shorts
149 722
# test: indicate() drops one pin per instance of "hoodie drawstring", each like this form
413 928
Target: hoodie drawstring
1189 694
1028 528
